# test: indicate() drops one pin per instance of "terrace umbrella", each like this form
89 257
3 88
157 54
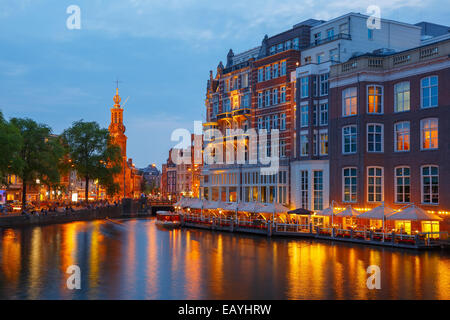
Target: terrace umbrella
301 211
414 213
349 212
378 213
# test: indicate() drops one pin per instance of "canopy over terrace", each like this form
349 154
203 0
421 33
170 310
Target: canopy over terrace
378 213
414 213
415 219
349 212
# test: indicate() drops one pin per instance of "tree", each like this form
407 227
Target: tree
10 145
93 155
39 154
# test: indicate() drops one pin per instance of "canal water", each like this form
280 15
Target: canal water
135 259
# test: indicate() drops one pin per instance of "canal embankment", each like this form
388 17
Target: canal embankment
129 209
422 241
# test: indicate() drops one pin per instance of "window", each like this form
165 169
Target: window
315 143
273 50
288 44
430 185
275 121
402 185
283 68
349 101
282 148
304 186
401 136
370 34
330 33
236 102
349 182
323 119
260 74
374 99
334 55
267 98
320 58
303 116
374 137
260 123
304 87
374 184
323 83
304 144
402 97
429 91
246 101
268 73
324 144
283 121
275 96
283 95
269 150
318 190
275 70
227 107
280 47
317 36
429 133
260 100
343 28
349 137
245 80
268 123
215 108
315 114
296 44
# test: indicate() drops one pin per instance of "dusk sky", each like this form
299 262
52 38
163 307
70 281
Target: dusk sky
161 51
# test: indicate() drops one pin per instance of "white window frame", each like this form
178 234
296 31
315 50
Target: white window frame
375 86
282 94
422 134
350 135
322 112
350 185
403 179
304 116
422 185
321 151
304 134
304 87
396 136
399 89
430 88
382 184
349 98
382 137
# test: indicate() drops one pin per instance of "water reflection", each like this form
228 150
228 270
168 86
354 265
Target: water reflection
133 259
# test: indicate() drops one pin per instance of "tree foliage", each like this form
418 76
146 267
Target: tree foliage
40 154
10 145
92 155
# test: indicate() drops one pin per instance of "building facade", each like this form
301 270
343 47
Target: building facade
391 125
332 42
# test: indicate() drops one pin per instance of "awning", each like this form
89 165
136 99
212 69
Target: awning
328 212
348 212
301 211
378 213
414 213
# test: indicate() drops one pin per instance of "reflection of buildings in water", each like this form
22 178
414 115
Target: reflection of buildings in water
35 264
10 251
193 268
153 265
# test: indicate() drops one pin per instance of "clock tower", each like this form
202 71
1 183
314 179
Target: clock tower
116 128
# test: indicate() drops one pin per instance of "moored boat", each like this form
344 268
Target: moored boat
168 219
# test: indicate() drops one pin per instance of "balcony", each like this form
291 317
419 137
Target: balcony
340 36
225 116
243 112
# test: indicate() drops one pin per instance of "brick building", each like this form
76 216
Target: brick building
391 125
